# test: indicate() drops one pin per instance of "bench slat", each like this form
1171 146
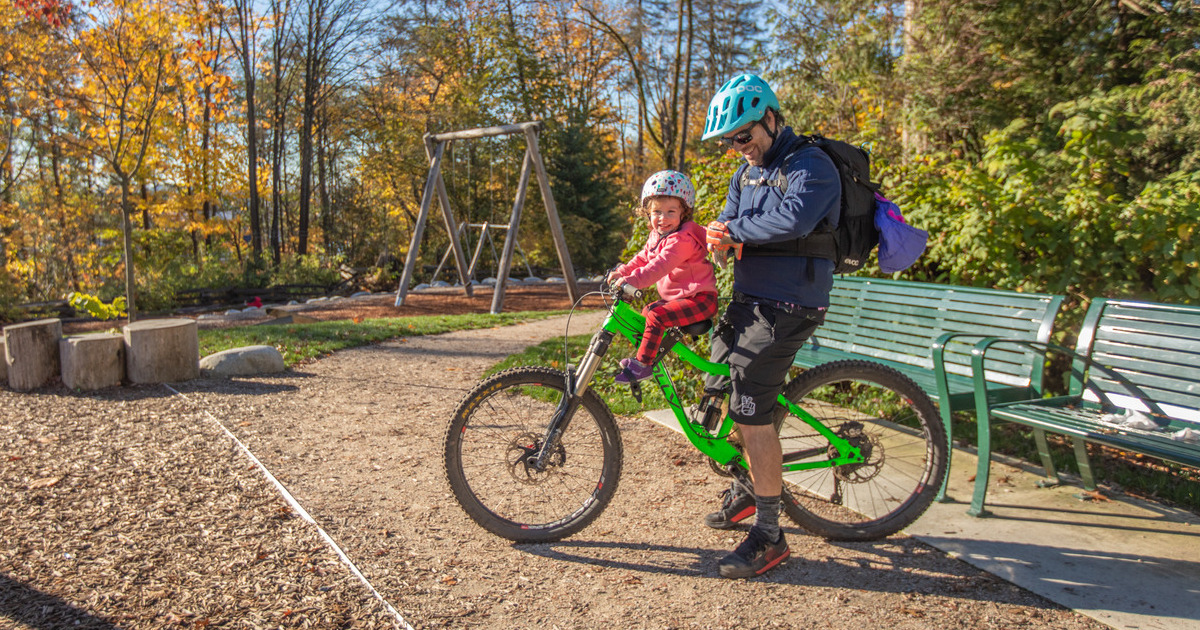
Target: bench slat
1086 424
1156 348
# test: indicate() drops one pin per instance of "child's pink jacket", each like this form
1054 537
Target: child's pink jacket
677 264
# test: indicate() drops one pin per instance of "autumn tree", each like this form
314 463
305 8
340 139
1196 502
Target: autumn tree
127 56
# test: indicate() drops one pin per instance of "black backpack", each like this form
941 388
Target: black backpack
850 244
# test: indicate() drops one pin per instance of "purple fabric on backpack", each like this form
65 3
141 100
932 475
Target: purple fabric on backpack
900 244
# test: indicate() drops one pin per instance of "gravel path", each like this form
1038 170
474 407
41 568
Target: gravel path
130 508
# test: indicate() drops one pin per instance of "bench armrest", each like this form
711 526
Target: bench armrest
938 350
1085 363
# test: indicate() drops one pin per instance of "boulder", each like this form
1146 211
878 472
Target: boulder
93 361
162 350
31 353
246 361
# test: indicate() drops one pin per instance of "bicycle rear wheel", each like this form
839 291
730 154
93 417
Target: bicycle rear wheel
896 425
495 436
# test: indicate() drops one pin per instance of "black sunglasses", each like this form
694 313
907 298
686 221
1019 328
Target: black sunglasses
743 137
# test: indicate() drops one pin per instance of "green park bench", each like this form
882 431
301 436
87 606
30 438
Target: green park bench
1131 356
927 331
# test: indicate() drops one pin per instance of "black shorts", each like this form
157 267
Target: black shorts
759 341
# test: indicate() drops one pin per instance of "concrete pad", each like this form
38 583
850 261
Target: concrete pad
1126 563
1123 562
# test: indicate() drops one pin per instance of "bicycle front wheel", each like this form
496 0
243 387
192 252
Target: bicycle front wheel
903 443
494 439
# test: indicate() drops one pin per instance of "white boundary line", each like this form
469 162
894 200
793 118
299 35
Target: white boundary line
291 500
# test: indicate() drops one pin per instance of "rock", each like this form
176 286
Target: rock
489 281
532 280
246 361
420 287
441 284
360 294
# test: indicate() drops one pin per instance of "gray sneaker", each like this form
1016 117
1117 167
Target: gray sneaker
755 556
736 506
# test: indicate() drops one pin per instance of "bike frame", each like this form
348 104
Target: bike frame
623 320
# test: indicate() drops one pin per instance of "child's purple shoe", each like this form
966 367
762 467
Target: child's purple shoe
633 370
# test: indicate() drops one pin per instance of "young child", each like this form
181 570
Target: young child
674 260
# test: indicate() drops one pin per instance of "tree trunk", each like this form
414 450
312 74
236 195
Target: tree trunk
687 93
912 141
322 184
256 243
127 234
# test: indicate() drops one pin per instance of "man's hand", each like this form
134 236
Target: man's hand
720 241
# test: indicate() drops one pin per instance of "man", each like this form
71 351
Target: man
786 190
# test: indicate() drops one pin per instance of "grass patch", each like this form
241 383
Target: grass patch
304 342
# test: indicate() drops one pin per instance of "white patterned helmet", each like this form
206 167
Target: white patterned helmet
670 184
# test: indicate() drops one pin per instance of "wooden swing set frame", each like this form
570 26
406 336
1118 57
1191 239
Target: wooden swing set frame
435 148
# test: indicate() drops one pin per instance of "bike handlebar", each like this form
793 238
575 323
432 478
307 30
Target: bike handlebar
617 288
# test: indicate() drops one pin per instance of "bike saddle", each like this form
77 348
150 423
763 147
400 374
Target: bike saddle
697 328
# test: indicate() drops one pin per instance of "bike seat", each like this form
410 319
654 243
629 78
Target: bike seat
696 329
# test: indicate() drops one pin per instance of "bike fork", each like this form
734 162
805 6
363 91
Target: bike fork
577 384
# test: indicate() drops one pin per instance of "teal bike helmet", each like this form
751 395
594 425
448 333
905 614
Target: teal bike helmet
744 99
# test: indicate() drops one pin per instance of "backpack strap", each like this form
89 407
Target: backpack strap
819 243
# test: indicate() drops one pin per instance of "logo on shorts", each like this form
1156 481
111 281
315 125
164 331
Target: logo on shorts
748 406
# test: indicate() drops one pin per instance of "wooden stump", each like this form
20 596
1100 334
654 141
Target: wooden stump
3 361
31 352
93 361
162 351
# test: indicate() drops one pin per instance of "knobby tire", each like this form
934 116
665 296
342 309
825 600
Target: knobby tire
899 428
489 444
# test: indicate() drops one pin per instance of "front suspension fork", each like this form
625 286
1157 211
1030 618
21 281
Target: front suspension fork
577 384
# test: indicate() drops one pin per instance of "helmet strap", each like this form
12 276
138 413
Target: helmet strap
774 119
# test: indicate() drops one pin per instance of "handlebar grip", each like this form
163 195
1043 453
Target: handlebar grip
628 290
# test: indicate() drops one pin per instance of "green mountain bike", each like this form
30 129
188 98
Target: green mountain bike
533 455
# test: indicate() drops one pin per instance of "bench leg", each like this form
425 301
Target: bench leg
944 408
1051 480
982 470
1085 465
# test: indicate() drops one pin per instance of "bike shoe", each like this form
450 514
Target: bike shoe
736 506
755 556
633 370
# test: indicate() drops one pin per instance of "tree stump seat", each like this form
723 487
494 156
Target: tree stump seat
93 361
162 351
31 353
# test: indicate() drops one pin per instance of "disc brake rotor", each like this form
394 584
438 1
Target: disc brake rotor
522 456
872 454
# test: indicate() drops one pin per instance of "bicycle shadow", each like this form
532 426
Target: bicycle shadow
701 562
874 567
24 604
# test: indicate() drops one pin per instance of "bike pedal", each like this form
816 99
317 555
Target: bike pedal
636 390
